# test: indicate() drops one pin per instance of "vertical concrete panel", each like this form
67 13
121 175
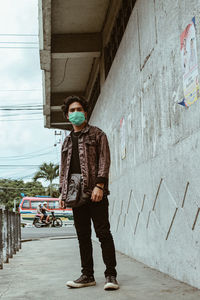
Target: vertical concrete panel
14 233
5 240
10 252
154 201
7 236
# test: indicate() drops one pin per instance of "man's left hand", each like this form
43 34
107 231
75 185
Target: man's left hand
97 195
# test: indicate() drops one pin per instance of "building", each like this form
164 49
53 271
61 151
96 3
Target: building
124 56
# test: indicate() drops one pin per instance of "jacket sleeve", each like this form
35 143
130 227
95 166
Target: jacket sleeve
103 159
61 172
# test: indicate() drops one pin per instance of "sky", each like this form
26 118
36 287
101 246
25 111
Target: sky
24 142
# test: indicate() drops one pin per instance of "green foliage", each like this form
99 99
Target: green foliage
48 172
53 191
11 190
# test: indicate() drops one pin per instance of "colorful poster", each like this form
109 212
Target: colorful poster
189 64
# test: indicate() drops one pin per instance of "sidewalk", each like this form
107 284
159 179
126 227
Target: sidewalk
41 268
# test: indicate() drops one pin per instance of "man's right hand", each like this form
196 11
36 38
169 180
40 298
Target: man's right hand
61 203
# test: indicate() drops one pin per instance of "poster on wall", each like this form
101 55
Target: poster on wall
189 64
122 138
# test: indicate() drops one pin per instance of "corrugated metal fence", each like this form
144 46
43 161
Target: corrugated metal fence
10 235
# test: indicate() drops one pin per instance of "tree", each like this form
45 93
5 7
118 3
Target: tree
11 190
54 191
48 172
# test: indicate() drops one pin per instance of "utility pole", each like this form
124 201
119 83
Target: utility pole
14 209
57 134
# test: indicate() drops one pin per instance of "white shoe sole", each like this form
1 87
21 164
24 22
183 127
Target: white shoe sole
111 286
79 285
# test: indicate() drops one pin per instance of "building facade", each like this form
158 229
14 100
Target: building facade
134 85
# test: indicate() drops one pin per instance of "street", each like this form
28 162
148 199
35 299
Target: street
36 233
41 268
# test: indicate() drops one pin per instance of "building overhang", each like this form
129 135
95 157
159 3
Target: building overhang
73 36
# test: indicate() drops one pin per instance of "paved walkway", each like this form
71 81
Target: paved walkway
41 268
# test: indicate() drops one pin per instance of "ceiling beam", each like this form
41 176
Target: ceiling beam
75 45
61 126
61 123
58 98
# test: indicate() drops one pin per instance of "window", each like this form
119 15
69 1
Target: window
34 204
26 204
53 204
117 33
94 95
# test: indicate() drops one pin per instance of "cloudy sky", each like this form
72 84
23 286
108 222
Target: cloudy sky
23 138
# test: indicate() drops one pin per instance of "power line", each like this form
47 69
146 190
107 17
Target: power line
20 105
18 109
11 113
7 120
19 166
11 188
19 47
30 153
27 176
30 157
25 114
19 43
32 90
15 34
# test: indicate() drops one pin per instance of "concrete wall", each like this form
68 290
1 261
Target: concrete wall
155 186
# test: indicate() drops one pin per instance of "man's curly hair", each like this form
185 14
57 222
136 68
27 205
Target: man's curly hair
71 99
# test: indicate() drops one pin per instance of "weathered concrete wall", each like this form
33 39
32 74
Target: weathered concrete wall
154 201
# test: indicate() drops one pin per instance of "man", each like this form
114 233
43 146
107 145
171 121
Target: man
39 211
44 211
86 151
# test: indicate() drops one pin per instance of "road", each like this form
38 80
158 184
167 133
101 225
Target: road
36 233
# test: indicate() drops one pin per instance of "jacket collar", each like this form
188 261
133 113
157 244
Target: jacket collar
84 130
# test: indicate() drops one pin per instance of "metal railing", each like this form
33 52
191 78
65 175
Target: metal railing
10 235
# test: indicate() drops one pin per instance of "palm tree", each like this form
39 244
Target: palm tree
48 172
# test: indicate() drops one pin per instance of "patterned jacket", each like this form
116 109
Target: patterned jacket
94 154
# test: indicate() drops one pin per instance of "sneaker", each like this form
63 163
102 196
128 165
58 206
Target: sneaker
111 283
83 281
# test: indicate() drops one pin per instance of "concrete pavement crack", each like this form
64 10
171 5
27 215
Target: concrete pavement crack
4 293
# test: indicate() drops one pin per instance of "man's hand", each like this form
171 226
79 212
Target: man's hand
61 203
97 195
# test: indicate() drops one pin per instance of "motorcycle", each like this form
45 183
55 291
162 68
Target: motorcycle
53 221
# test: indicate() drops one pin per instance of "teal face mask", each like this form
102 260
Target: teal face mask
77 118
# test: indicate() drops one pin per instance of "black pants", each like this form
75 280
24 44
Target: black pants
98 213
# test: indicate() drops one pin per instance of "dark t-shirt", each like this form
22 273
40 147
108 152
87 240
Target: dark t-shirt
75 161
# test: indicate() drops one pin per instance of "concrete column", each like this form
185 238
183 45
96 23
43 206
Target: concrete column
17 230
10 234
19 233
1 240
14 233
5 240
7 236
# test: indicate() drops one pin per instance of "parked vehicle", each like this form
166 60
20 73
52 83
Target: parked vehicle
53 221
28 207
